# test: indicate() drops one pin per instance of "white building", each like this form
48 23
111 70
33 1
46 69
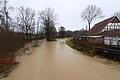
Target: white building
105 32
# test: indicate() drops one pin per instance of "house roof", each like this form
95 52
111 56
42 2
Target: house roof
115 32
97 28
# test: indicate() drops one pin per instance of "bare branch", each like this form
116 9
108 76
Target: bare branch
26 20
117 14
48 21
91 13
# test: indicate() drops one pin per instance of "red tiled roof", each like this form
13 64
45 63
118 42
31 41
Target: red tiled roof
115 32
97 28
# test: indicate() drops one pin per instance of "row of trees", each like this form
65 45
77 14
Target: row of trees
26 21
64 33
15 32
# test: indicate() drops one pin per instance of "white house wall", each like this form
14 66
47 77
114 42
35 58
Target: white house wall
111 40
111 26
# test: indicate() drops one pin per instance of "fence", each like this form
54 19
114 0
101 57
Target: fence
108 53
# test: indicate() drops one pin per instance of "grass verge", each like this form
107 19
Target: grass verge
85 48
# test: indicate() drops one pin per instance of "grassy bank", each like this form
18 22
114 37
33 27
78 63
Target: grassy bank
85 48
10 44
25 50
90 49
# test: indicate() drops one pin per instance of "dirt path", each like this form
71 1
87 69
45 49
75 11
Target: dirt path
57 61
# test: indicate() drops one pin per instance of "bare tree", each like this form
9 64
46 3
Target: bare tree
117 14
48 21
62 32
91 13
5 19
39 29
26 20
38 26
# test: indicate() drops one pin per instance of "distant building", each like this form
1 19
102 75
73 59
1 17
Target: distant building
105 32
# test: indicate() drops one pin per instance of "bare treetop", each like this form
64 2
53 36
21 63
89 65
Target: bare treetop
117 14
26 20
91 13
5 19
47 15
48 21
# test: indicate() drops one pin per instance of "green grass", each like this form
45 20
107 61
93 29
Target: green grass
70 43
85 48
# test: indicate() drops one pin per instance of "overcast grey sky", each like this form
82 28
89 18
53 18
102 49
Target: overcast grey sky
69 11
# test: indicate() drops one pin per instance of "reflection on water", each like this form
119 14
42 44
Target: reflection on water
57 61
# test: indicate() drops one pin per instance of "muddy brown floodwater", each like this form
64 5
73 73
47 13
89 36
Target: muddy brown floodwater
57 61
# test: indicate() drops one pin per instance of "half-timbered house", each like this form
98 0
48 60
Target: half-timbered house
105 32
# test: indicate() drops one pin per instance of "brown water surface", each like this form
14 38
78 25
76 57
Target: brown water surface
57 61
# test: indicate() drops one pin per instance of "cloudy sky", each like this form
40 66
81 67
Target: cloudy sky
69 11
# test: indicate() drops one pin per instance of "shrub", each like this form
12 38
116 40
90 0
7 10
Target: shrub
10 42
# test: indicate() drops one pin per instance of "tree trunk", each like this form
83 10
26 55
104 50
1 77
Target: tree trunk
89 25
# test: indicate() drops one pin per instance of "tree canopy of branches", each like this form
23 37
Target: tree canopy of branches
26 21
48 21
117 14
91 13
5 19
62 32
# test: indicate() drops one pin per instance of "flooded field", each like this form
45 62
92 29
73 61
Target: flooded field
57 61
